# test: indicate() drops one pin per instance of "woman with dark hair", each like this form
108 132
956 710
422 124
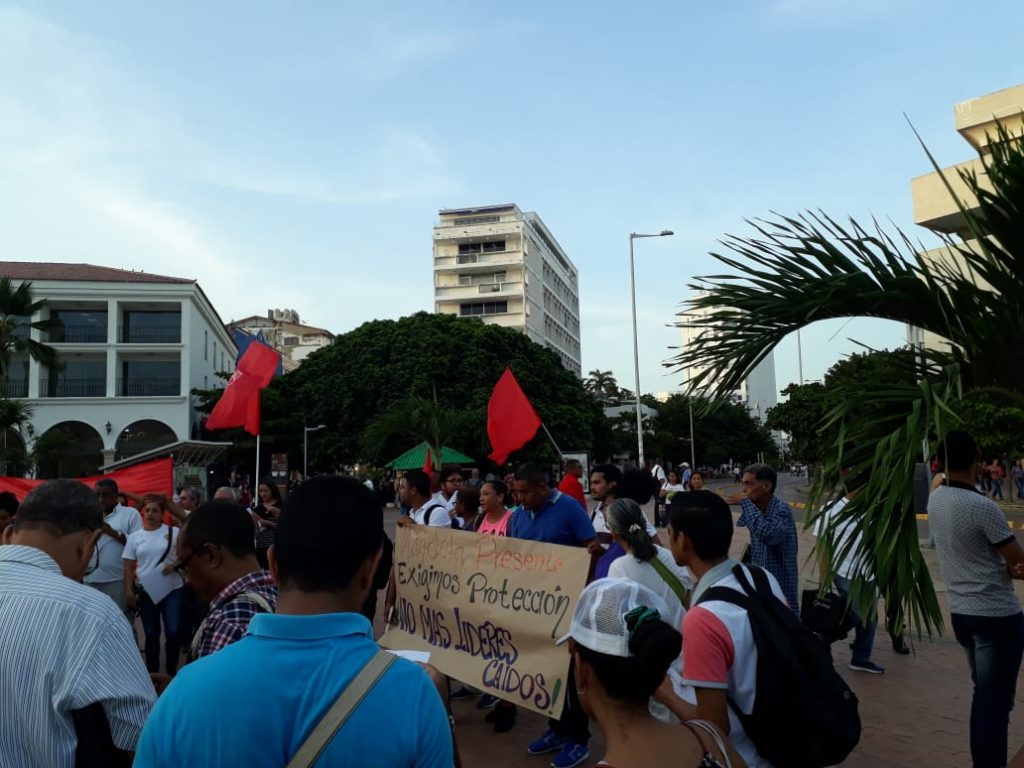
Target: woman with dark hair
622 646
467 507
645 562
494 515
265 515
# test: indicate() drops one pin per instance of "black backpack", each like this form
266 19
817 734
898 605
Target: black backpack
796 683
429 511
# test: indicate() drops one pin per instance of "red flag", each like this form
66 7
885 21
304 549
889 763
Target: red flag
428 465
511 420
155 476
239 406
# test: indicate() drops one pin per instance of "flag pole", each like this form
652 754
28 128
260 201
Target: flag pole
546 432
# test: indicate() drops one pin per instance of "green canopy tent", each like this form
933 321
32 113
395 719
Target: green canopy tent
414 458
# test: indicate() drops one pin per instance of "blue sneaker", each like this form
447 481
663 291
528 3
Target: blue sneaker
487 701
549 742
572 754
867 666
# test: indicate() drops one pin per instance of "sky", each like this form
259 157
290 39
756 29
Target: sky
296 154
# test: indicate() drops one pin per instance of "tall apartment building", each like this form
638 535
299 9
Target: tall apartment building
500 265
976 121
132 347
758 391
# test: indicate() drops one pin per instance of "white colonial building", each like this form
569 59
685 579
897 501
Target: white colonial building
133 345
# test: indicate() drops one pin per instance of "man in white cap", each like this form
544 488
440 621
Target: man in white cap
686 474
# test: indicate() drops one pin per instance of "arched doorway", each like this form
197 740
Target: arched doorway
68 449
141 436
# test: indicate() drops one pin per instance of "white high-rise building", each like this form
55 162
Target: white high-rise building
758 391
500 265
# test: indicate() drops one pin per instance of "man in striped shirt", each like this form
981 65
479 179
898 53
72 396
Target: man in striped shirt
65 648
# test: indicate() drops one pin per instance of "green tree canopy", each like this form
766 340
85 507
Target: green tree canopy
371 371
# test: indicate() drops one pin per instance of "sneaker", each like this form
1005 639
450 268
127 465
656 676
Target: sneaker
549 742
464 693
486 701
867 666
572 754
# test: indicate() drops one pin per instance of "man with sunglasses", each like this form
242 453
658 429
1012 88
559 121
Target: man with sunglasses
217 556
106 572
67 656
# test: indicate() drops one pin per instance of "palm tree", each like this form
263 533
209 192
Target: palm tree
16 310
795 271
601 384
421 418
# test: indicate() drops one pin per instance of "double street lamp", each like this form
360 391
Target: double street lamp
305 447
636 345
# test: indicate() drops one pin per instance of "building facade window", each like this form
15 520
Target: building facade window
80 326
483 308
149 378
491 246
206 345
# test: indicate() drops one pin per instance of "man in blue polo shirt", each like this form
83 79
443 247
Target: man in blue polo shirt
255 702
546 514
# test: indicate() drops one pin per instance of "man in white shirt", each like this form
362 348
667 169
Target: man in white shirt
844 547
414 492
66 653
107 571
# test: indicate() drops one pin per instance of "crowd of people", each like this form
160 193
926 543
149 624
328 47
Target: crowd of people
258 645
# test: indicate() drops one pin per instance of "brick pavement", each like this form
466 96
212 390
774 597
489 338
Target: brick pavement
916 714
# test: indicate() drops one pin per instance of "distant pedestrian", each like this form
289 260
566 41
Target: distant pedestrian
570 484
995 471
1017 472
266 514
773 541
118 522
979 555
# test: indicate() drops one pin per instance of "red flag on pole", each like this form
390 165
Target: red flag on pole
511 420
239 406
428 465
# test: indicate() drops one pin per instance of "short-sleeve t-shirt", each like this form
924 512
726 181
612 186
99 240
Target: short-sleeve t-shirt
719 651
967 527
560 521
147 547
499 528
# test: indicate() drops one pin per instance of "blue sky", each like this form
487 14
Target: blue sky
295 155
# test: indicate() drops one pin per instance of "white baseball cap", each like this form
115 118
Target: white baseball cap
599 621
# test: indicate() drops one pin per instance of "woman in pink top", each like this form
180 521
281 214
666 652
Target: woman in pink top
494 517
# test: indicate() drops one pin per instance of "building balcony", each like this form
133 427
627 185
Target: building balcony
462 292
468 233
477 262
15 388
934 207
149 387
61 387
79 334
150 335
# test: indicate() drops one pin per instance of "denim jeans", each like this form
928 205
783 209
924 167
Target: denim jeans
864 634
997 488
994 647
1020 488
170 610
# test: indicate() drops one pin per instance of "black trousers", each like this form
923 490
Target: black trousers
574 723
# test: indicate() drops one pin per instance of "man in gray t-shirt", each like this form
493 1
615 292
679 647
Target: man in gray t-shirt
979 556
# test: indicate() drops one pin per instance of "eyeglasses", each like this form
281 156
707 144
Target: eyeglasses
182 565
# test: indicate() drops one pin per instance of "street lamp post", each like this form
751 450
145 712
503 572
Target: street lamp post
305 447
636 344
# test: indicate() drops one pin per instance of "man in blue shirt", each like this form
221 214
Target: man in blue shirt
546 514
255 702
773 543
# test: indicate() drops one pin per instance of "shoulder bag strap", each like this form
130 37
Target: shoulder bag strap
672 580
693 725
257 599
341 709
170 532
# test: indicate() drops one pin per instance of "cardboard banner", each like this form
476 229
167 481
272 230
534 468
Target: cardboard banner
155 476
488 609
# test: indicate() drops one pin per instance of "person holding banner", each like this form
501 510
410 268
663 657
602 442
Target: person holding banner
622 646
494 516
546 514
